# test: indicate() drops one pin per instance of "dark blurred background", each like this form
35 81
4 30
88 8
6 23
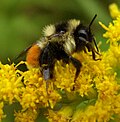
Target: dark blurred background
21 21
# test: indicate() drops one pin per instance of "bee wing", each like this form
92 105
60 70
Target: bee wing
56 35
23 52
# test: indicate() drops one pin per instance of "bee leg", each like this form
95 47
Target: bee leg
93 56
47 66
77 64
48 72
47 62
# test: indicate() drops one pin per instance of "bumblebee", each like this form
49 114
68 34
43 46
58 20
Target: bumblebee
59 42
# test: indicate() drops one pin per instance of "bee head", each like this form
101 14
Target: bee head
84 37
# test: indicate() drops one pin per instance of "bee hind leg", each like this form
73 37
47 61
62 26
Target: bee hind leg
47 72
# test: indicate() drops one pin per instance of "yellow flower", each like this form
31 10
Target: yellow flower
107 89
116 105
99 112
10 83
113 35
1 111
95 96
63 115
113 31
64 76
53 96
113 55
114 11
36 91
29 115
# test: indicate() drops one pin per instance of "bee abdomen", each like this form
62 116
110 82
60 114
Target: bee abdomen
33 56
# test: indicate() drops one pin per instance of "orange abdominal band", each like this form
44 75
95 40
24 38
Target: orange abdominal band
33 56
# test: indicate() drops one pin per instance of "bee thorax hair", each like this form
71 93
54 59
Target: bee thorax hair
49 30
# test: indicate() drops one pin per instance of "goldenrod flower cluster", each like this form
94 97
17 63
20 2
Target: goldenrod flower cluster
95 96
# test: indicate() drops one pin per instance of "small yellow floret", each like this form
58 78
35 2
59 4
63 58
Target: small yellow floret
114 10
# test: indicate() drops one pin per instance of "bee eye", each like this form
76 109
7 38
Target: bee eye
83 34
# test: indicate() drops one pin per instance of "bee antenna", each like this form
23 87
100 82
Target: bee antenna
92 21
89 31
